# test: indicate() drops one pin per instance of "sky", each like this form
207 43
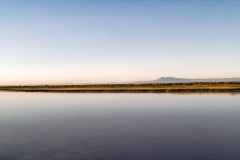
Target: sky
53 42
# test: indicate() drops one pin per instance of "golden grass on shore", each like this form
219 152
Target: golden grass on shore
168 87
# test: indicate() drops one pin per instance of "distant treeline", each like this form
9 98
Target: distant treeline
125 85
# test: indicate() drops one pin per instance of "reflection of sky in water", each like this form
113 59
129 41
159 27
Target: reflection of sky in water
121 126
25 106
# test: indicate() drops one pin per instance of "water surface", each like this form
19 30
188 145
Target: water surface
119 126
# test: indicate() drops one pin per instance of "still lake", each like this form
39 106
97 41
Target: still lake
127 126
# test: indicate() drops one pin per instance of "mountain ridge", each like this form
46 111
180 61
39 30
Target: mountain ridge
159 80
186 80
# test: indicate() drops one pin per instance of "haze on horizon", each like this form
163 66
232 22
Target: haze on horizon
117 41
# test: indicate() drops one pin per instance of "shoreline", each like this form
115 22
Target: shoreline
132 88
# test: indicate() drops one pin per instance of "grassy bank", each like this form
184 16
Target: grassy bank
141 88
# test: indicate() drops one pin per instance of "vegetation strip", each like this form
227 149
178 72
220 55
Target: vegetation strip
135 88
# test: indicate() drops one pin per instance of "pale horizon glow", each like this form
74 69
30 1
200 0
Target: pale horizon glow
53 42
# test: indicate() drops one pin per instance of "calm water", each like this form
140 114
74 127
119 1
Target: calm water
119 126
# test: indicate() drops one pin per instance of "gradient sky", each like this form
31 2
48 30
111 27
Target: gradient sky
117 41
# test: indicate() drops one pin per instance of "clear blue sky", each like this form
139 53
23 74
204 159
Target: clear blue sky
117 41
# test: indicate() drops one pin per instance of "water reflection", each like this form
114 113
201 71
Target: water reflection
119 126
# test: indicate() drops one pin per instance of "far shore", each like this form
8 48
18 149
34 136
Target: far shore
132 88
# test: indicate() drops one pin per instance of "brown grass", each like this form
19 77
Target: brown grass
175 87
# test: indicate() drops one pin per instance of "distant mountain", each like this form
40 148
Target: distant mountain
160 80
184 80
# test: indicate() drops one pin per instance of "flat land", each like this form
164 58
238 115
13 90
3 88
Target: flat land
141 88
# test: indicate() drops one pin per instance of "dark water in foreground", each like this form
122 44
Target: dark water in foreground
119 126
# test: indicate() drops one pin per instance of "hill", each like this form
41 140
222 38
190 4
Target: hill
184 80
